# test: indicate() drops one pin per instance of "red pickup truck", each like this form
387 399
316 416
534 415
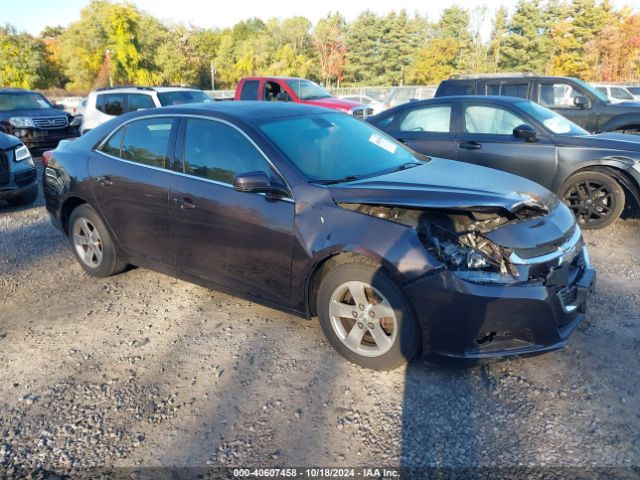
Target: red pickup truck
299 90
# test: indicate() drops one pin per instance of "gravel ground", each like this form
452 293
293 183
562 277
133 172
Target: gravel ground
145 370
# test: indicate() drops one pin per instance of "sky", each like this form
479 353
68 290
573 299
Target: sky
34 15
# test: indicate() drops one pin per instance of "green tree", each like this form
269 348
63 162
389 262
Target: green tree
23 60
329 42
496 42
364 49
527 46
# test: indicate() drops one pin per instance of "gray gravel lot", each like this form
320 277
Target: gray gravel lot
144 370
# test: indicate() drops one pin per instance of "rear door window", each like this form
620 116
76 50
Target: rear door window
111 103
428 119
250 90
146 141
137 101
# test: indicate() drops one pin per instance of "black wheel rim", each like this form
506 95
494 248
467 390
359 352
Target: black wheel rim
591 201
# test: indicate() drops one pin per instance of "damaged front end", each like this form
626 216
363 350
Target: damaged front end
458 237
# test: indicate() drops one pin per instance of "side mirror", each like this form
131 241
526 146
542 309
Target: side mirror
283 97
526 132
581 102
57 106
257 182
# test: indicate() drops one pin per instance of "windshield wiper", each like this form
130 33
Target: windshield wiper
404 166
348 178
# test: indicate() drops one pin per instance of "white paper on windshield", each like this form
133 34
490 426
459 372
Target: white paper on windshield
42 103
383 143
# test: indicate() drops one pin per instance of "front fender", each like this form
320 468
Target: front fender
629 121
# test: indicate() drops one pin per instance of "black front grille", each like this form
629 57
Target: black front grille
4 168
25 178
49 123
568 294
363 112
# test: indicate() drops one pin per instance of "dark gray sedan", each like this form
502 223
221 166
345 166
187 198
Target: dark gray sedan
597 176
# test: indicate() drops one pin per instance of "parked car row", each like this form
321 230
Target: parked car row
430 228
620 93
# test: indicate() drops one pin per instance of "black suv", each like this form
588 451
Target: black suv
32 118
570 97
17 172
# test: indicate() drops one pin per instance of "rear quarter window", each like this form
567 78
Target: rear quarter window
453 87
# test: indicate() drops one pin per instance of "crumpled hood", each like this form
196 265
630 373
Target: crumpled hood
445 184
606 141
335 103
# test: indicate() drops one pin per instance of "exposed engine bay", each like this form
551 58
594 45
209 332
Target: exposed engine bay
456 237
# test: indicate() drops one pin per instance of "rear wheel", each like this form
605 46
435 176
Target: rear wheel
366 317
595 198
92 244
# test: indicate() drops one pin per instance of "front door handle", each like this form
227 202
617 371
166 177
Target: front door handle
104 181
470 145
184 203
403 141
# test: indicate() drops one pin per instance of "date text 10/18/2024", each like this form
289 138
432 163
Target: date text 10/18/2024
305 473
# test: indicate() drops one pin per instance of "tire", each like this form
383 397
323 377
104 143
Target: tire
24 198
91 243
381 331
596 199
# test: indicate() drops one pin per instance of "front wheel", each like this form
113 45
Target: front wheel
366 317
92 244
596 199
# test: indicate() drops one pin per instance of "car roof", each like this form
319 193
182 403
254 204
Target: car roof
481 98
134 89
243 110
15 90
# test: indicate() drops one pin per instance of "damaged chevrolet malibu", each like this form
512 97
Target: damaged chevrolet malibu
317 213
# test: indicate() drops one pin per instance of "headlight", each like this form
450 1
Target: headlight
77 121
21 122
21 153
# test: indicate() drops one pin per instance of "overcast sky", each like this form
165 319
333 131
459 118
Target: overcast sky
34 15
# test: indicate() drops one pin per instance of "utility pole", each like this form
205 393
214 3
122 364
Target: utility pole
213 76
107 54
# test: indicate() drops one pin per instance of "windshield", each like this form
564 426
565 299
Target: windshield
183 96
592 90
306 89
634 90
554 122
331 147
23 101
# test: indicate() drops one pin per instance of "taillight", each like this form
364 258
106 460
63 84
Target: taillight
46 156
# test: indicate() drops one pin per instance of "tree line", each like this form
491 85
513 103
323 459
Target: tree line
117 43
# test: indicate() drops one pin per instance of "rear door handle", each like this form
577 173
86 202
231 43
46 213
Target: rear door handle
470 145
104 181
184 203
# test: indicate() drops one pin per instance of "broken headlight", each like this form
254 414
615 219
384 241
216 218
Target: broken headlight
469 255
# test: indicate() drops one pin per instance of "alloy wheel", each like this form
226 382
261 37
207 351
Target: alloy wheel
363 319
87 242
591 201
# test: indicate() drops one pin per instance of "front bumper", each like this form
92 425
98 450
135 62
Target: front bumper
39 140
462 319
16 183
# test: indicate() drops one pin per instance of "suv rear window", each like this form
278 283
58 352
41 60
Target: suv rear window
454 87
249 90
110 103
